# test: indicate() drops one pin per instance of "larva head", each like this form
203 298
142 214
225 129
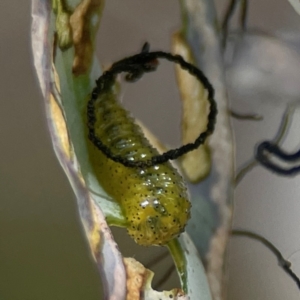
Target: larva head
155 220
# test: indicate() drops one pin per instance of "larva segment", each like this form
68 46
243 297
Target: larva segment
154 199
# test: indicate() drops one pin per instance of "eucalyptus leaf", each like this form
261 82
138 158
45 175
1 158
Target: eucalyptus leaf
212 198
103 247
67 76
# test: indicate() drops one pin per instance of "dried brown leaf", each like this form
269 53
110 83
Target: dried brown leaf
196 164
81 22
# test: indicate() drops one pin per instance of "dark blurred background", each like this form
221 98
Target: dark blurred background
43 253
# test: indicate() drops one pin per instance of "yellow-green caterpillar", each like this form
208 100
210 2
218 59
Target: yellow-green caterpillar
149 189
154 199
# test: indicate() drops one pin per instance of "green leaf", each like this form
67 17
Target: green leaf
103 248
67 77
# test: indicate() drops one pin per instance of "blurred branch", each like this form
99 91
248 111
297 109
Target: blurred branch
231 8
283 263
249 117
282 130
225 24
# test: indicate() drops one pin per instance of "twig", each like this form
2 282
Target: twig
225 24
282 130
250 117
244 171
244 15
283 263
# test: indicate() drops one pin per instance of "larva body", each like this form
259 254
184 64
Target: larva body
154 199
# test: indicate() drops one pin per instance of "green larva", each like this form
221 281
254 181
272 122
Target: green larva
150 191
154 199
